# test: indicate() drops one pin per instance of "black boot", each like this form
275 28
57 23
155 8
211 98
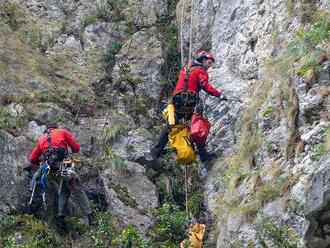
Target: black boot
92 221
61 224
159 147
203 154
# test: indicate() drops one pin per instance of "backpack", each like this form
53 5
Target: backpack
179 139
54 155
199 129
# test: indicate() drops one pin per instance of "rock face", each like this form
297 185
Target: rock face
14 179
272 147
139 65
244 36
130 194
317 206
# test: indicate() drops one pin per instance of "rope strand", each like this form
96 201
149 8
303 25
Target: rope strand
191 27
181 33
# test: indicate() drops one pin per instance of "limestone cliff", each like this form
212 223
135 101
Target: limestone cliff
101 69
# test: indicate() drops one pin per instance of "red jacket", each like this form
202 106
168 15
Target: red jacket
59 137
197 80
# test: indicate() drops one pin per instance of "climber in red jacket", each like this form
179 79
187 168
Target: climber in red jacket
60 138
52 147
192 79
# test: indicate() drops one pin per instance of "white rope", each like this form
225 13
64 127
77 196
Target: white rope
186 190
191 27
181 33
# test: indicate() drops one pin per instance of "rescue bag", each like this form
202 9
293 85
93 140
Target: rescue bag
196 233
199 129
168 114
179 139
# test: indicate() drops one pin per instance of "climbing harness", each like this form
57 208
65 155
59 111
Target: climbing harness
184 101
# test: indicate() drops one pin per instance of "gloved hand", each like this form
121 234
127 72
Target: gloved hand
222 97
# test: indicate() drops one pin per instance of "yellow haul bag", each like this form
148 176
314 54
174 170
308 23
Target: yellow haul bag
179 139
196 233
168 113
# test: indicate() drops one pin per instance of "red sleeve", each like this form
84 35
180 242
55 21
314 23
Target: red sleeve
71 141
204 82
34 157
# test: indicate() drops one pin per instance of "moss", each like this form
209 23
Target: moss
268 111
123 195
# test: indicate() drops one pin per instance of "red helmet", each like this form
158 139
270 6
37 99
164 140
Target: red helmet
205 55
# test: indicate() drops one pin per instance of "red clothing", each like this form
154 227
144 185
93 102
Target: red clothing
197 80
59 137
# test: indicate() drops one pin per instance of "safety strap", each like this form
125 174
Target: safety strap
50 147
49 140
72 189
187 70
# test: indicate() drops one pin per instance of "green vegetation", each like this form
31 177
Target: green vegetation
12 13
111 10
23 101
130 239
113 161
106 232
109 57
123 195
172 56
34 233
112 132
270 234
320 150
268 111
171 226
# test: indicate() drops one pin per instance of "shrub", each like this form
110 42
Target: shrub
109 57
270 234
130 239
171 227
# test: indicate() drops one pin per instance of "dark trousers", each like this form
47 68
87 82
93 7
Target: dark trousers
63 198
80 196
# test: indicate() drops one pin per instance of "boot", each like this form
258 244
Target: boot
61 224
92 221
203 154
163 139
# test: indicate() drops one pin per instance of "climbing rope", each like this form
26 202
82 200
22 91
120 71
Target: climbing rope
191 30
181 33
186 190
191 27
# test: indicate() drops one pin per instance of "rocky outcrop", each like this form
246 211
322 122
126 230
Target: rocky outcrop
245 36
130 194
318 206
139 65
14 179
